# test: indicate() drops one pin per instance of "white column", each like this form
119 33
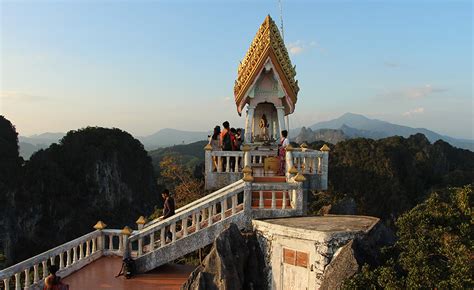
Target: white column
287 119
281 119
248 124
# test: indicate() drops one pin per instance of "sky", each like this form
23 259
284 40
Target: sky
147 65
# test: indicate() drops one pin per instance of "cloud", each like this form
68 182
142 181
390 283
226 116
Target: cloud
299 46
412 93
20 97
416 111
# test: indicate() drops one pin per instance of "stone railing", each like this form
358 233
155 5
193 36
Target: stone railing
189 229
196 202
308 162
312 163
225 167
257 157
277 200
222 168
69 257
228 161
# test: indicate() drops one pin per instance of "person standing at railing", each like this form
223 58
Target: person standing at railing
53 282
284 142
237 144
214 141
227 144
168 209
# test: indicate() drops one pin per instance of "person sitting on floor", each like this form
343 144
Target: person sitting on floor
53 282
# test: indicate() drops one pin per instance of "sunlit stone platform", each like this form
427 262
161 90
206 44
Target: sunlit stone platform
101 274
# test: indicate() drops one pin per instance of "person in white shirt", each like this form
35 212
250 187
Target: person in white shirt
284 142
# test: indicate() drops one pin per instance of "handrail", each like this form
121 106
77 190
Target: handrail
274 186
19 267
191 204
227 153
312 153
177 217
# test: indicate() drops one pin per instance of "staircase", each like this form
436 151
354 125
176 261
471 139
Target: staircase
193 226
199 223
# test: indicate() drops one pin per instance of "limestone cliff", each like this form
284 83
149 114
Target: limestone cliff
235 262
93 174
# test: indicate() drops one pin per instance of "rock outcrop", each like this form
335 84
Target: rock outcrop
235 262
350 258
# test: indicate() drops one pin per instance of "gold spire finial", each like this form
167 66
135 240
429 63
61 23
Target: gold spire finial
208 147
100 225
300 177
247 171
126 231
246 148
293 170
325 148
141 220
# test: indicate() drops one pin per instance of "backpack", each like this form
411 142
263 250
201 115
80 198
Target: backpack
227 141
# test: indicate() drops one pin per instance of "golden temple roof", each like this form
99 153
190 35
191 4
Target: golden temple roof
266 43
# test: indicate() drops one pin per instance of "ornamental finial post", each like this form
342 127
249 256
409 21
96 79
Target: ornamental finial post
247 171
140 222
100 225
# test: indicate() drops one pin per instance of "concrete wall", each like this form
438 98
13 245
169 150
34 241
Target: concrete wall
218 180
318 243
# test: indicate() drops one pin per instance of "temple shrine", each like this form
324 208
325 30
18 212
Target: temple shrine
266 90
266 84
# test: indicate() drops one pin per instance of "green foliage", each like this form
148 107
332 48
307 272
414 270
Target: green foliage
190 155
180 180
389 176
157 212
434 248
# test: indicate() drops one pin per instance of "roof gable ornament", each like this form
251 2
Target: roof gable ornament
267 44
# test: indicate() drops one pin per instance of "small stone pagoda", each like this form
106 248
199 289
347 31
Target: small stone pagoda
266 84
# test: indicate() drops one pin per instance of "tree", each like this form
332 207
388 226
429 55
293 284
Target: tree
434 249
180 180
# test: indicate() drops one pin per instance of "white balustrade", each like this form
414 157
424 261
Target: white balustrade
232 160
205 212
70 259
309 161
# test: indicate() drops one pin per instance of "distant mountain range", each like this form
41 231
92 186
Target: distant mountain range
31 144
168 137
345 127
352 125
162 138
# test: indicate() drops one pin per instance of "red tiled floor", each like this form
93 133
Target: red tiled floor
101 275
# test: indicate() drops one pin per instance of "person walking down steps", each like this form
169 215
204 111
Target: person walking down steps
168 210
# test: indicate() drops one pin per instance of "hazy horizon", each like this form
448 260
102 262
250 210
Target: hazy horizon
145 66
